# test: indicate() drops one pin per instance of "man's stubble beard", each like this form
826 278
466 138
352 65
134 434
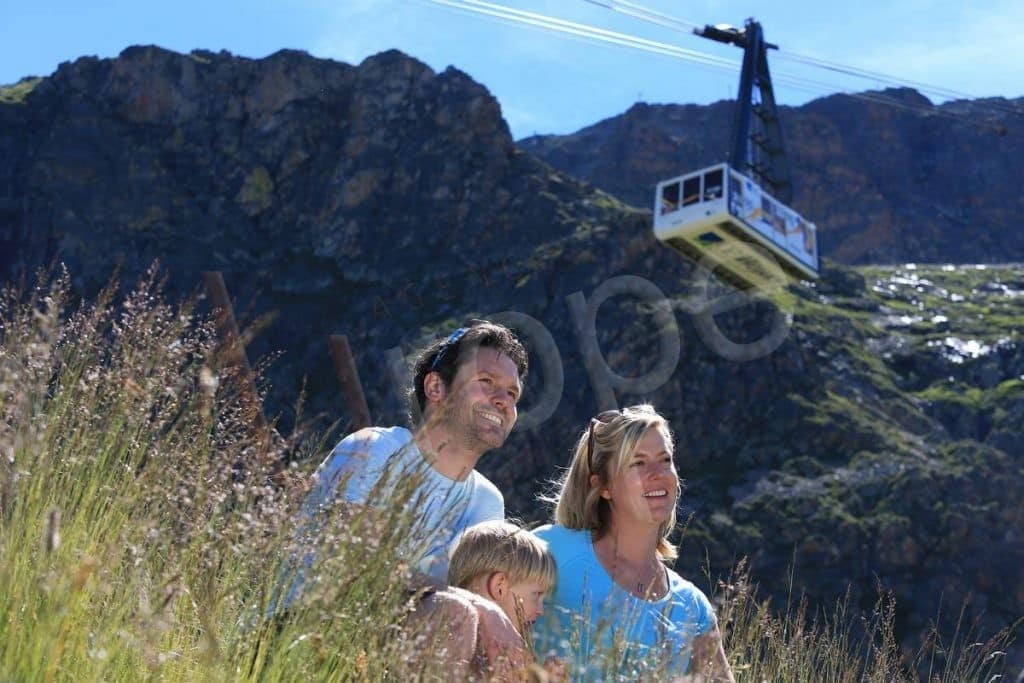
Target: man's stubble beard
461 424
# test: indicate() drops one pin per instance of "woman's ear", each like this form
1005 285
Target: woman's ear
497 585
596 483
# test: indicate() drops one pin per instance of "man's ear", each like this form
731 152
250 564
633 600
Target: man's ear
434 388
596 483
497 585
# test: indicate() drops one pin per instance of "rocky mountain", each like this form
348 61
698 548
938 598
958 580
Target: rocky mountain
866 428
888 177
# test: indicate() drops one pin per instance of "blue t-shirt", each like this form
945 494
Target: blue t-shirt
367 465
600 630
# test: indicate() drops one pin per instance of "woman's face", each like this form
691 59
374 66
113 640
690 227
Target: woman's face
644 491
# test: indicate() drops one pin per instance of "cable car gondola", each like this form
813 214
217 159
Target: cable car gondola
735 214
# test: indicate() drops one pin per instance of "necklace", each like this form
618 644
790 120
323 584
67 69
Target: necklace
652 593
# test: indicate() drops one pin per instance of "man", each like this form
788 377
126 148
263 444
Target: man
465 388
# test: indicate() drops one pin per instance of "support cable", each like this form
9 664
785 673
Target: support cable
598 35
653 16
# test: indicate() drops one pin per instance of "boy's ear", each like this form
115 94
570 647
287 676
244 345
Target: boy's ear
497 585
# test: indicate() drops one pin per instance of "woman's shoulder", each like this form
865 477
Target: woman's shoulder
579 572
564 543
685 594
551 532
680 586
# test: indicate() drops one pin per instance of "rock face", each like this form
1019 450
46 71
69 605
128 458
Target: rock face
867 427
885 183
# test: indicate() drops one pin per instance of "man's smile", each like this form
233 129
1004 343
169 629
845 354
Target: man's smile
493 417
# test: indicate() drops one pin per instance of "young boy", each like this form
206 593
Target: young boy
514 569
507 565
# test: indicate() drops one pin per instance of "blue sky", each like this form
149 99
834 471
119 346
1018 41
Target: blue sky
548 82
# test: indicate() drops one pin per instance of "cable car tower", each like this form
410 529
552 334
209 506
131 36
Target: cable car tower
735 214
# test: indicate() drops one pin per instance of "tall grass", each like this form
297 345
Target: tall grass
841 646
144 528
146 532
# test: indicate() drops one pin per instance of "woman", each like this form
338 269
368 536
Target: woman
617 611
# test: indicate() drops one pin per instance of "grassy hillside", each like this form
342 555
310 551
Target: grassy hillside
143 529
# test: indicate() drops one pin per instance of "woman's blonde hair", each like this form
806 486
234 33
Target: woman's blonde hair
614 436
498 546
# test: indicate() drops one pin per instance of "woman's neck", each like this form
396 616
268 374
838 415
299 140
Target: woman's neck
630 556
635 545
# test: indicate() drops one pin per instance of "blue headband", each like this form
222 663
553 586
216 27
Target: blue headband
452 339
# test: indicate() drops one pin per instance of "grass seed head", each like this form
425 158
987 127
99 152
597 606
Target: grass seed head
52 535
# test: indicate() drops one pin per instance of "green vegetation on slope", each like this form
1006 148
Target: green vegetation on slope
144 532
16 93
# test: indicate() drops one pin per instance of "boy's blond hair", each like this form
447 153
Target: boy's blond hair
490 547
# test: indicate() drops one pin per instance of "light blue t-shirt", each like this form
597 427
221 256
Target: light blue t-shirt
371 462
601 631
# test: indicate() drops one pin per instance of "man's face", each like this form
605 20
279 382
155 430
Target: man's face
481 401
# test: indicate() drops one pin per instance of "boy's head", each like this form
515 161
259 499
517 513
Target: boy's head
507 564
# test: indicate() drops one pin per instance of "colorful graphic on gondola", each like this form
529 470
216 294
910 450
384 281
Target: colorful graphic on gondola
696 202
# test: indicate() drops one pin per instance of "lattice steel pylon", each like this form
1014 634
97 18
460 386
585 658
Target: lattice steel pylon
757 149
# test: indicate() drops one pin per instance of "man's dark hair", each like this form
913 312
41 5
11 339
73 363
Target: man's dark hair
444 355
